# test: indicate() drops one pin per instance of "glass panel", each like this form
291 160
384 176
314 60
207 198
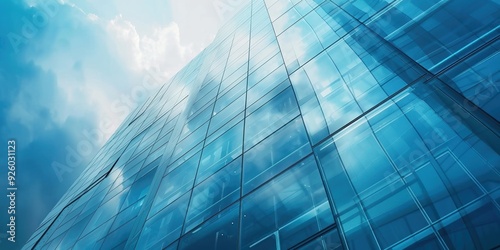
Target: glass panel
165 227
419 150
219 119
214 194
220 152
274 154
290 208
73 233
437 33
117 237
274 114
127 214
350 213
139 189
476 228
174 184
477 79
106 211
224 100
218 233
328 241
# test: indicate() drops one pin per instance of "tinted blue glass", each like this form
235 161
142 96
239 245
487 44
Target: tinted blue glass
392 213
339 20
268 66
222 117
286 20
214 194
115 239
477 79
264 47
274 154
334 96
314 119
106 211
196 121
362 9
293 44
364 172
230 96
477 228
436 33
398 99
327 241
174 184
286 210
168 221
73 233
218 233
97 233
268 93
261 89
190 141
127 214
426 239
400 137
277 8
139 189
272 115
351 215
220 152
276 76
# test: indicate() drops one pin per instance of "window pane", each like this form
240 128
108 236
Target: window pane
214 194
220 152
270 117
328 241
218 233
165 227
175 183
274 154
427 162
290 208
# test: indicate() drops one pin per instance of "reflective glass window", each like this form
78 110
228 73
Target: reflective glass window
327 241
222 117
224 100
118 237
475 228
220 152
214 194
419 152
218 233
272 115
165 227
274 154
437 33
299 44
190 142
477 78
175 183
287 210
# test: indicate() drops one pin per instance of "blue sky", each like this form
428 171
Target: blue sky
70 71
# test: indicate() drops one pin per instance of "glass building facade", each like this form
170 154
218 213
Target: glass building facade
313 124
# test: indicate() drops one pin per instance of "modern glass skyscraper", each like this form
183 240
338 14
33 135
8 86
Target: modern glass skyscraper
360 124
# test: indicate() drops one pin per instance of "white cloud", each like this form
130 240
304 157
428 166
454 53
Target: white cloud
161 49
125 41
92 17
